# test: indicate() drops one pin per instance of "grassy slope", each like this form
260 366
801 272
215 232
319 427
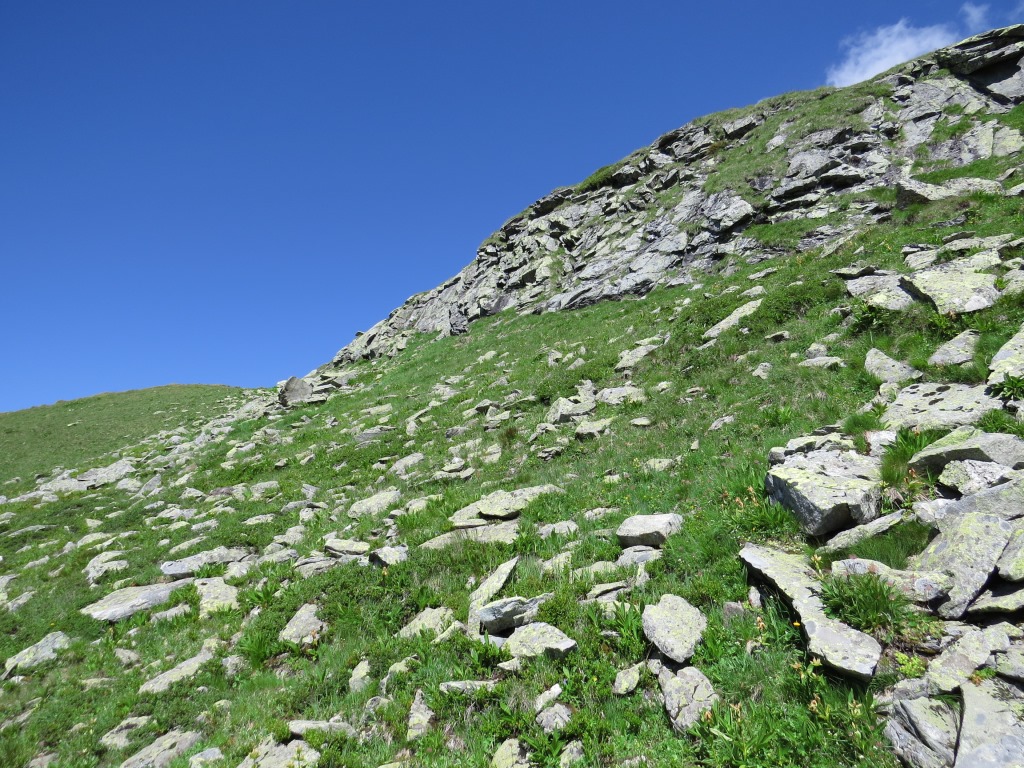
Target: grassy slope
73 432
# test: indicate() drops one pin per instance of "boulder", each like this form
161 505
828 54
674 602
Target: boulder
687 694
304 628
1008 361
969 444
39 653
510 612
421 717
376 504
923 732
435 620
162 752
939 406
126 602
827 490
883 367
967 477
488 588
956 351
539 639
954 289
270 754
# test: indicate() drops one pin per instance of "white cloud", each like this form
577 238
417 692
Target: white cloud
976 17
869 53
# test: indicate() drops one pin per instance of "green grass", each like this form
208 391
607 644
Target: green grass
74 432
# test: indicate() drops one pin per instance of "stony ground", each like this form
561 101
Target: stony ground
766 510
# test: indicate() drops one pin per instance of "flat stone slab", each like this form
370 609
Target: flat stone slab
500 533
376 504
39 653
968 547
939 406
299 728
853 536
500 505
190 565
1011 563
119 737
183 671
1001 598
883 367
954 289
674 627
164 750
991 733
126 602
827 490
917 586
483 594
294 754
923 732
734 319
539 639
970 444
648 530
1009 360
839 646
956 351
304 628
215 595
435 620
969 477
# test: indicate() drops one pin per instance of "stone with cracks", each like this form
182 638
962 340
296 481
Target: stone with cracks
118 737
827 490
39 653
839 646
164 750
687 695
956 351
270 754
1004 501
923 732
190 565
954 290
304 628
939 406
215 595
501 533
733 319
128 601
674 627
628 358
970 444
968 547
1008 361
554 718
539 639
968 477
991 731
883 367
1010 565
510 612
488 588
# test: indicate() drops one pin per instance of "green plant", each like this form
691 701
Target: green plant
258 645
868 603
1010 388
910 666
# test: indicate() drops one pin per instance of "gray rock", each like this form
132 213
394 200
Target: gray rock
488 588
510 755
939 406
189 565
118 737
627 680
991 732
304 628
923 732
648 530
128 601
1010 565
883 367
389 556
164 750
629 358
501 533
967 477
591 430
467 687
215 595
734 319
539 639
956 351
554 718
970 444
674 627
827 490
1001 598
421 717
499 505
968 547
853 536
186 670
954 289
917 586
360 678
294 754
435 620
839 646
376 504
295 391
1008 361
206 758
687 694
39 653
510 612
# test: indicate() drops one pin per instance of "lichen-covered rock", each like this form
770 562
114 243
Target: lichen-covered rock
1008 361
827 490
215 595
954 290
923 732
187 669
939 406
968 477
304 628
883 367
190 565
39 653
1010 565
970 444
488 588
126 602
500 533
648 530
164 750
841 647
687 694
674 627
435 620
956 351
991 731
852 536
499 505
510 755
421 717
294 754
510 612
539 639
733 319
378 503
915 585
968 547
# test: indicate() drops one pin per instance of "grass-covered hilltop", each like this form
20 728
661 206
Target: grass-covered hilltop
714 459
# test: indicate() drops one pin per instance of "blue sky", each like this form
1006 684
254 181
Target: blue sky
226 192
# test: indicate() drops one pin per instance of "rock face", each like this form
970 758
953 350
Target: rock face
839 646
826 490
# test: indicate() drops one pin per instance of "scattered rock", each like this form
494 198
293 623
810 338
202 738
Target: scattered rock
674 627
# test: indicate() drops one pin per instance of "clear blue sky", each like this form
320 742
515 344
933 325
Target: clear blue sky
225 192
